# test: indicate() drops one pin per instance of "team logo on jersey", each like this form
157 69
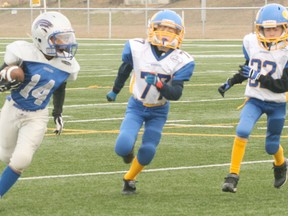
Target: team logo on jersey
43 23
176 58
48 69
66 62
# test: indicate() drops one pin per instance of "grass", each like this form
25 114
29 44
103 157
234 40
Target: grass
78 173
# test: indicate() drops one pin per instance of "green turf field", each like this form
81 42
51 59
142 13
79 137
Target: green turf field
78 173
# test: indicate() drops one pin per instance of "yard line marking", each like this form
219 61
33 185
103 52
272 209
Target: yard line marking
147 170
94 120
200 126
111 119
125 103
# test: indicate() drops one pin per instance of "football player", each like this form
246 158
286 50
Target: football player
48 62
266 69
160 69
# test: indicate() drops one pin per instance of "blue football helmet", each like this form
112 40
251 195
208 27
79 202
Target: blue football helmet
164 38
271 16
53 35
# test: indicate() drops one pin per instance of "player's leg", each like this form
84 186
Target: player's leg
127 136
133 121
248 117
9 121
275 123
35 123
151 137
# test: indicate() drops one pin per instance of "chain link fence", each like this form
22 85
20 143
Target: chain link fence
121 22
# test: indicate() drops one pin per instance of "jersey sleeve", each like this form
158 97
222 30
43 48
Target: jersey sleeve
127 54
184 73
11 57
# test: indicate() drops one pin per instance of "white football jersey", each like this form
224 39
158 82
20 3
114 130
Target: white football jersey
269 63
144 60
42 76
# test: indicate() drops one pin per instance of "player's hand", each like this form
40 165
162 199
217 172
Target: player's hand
248 72
224 87
6 85
153 79
15 84
58 120
111 96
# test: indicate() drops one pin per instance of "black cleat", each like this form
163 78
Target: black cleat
129 158
280 174
230 184
129 187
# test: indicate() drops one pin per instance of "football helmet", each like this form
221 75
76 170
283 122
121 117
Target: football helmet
271 16
165 38
53 35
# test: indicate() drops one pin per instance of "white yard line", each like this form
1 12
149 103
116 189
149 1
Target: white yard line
147 170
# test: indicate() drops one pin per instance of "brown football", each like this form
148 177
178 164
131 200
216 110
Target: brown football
15 72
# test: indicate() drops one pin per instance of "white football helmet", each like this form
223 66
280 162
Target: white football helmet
164 38
53 35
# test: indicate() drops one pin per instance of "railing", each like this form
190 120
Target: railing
119 23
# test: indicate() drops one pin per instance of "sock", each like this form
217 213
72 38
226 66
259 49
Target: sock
279 157
7 180
134 170
237 155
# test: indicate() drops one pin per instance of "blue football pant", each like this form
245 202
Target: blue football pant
153 119
252 111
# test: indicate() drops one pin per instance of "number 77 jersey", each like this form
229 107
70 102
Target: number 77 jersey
173 65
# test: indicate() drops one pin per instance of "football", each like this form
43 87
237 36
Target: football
14 72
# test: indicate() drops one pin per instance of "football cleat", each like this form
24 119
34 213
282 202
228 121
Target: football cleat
280 174
129 187
230 184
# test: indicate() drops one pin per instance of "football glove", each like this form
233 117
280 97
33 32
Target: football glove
224 87
58 120
153 79
248 72
111 96
6 85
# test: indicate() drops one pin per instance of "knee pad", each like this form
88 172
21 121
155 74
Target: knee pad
4 156
272 149
146 154
272 144
124 144
242 131
20 162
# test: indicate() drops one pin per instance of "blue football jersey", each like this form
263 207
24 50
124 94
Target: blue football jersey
42 76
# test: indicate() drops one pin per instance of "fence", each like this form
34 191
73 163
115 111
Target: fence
119 23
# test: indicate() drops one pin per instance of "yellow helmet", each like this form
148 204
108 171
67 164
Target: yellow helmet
272 16
164 38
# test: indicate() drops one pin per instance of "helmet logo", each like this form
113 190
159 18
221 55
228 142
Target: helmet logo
43 23
285 14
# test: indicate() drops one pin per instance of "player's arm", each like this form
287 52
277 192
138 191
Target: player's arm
58 102
236 79
275 85
173 91
123 73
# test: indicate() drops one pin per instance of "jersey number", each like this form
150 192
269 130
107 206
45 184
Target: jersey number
271 66
162 77
39 93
